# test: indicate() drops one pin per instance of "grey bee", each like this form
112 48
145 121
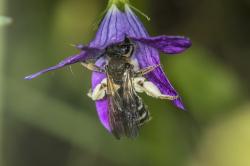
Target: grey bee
124 79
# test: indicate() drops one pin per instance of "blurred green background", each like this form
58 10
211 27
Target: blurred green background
50 121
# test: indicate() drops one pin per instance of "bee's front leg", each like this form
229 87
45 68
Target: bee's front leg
142 85
146 70
99 91
92 67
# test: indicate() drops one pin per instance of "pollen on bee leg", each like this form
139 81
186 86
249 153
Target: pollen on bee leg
99 91
138 84
142 85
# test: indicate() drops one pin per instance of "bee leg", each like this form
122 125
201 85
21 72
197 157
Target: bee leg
99 91
142 85
92 67
146 70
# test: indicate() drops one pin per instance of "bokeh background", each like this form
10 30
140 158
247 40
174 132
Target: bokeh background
50 121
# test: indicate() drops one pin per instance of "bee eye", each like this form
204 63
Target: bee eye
127 50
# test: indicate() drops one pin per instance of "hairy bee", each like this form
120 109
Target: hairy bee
126 110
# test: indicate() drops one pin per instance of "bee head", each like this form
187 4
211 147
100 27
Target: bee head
124 49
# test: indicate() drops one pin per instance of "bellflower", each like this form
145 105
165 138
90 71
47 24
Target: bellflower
118 23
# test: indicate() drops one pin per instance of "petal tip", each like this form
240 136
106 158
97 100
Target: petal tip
182 108
178 103
30 77
188 42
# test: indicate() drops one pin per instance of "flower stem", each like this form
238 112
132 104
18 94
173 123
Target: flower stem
118 3
3 21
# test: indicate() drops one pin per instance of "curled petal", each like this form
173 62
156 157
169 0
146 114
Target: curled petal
166 44
68 61
88 53
149 56
101 105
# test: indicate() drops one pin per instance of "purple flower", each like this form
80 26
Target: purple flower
114 28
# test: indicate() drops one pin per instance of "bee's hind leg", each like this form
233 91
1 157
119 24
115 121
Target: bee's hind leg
142 85
99 92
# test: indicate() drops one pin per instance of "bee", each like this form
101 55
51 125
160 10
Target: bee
124 80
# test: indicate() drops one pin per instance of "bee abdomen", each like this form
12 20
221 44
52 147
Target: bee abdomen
144 115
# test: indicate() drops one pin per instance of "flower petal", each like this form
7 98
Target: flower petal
148 56
102 111
101 105
112 29
91 50
68 61
166 44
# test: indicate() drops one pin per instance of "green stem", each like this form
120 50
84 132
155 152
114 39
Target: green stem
1 83
118 3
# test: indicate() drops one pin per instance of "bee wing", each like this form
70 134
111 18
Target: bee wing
129 95
127 112
131 104
115 108
112 93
